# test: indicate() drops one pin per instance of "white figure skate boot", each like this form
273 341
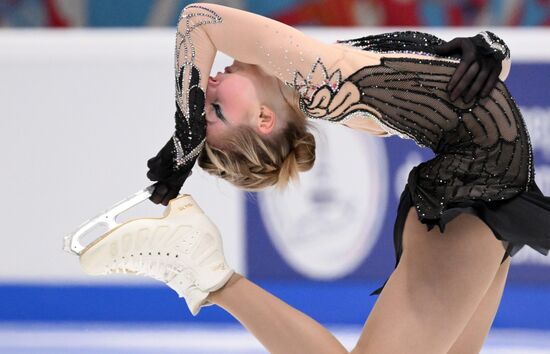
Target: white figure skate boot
183 249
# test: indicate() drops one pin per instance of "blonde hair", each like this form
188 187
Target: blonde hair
253 162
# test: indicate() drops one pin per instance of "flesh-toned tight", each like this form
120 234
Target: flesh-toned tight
441 298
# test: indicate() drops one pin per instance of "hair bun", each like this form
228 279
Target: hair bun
299 159
304 151
252 162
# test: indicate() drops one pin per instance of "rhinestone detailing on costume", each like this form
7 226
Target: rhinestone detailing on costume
483 149
496 44
190 134
328 97
304 84
193 16
408 42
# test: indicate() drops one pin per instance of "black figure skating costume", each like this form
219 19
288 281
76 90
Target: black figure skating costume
484 159
393 84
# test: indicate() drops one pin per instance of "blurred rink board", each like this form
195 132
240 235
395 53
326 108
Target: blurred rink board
82 112
200 339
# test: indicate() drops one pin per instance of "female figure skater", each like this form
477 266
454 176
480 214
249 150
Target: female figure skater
248 126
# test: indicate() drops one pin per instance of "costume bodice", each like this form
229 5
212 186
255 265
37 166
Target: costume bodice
393 80
483 150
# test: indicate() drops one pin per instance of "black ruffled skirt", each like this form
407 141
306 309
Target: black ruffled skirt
521 220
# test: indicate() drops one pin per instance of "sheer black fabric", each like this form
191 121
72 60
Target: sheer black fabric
483 163
482 148
397 42
521 220
483 159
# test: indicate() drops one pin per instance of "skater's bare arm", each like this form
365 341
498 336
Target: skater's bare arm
279 49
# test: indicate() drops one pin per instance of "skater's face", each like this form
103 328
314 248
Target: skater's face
233 99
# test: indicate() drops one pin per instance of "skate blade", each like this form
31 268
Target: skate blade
183 205
72 242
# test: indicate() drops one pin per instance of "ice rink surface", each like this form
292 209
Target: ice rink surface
201 339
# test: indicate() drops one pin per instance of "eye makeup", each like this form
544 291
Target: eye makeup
219 113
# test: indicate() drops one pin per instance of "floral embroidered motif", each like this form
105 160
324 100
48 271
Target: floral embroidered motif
305 85
327 96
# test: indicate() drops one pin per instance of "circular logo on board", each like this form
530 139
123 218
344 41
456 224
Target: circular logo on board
326 225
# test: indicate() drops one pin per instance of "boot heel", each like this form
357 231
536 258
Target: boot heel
184 204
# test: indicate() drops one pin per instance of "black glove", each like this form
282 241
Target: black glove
479 67
173 163
161 169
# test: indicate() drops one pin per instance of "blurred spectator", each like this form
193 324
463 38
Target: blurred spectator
107 13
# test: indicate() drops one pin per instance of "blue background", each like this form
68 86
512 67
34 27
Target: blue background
345 301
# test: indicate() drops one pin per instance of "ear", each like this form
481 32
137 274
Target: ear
267 120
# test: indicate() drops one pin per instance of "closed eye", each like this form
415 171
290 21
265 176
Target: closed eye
218 111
